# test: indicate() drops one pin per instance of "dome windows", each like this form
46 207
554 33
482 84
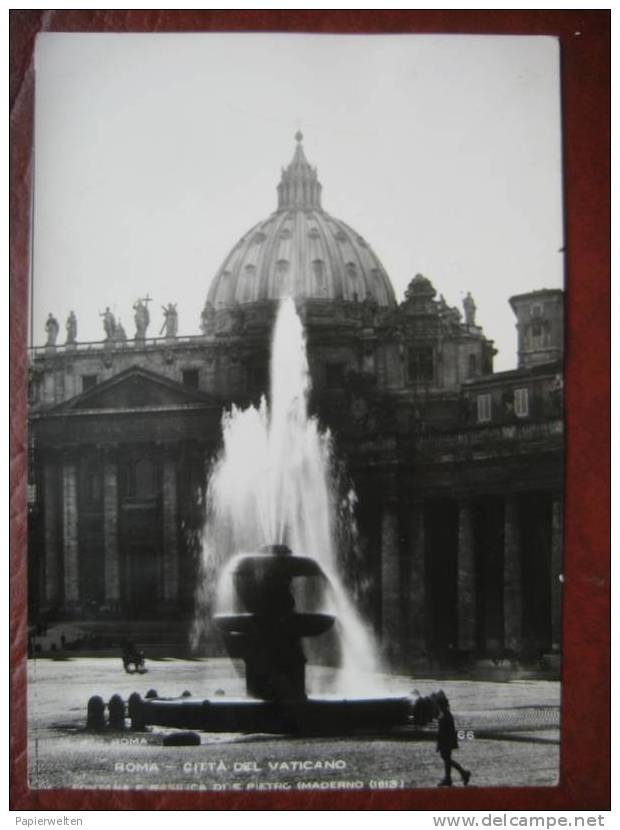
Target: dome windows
282 278
318 268
301 250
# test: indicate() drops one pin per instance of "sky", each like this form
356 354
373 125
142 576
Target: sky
154 154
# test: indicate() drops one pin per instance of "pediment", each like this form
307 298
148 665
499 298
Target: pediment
135 388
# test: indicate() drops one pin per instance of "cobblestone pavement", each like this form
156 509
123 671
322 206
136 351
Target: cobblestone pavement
510 736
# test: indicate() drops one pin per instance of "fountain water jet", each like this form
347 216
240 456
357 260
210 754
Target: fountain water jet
273 484
272 488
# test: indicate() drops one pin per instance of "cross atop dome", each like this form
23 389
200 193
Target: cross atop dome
299 186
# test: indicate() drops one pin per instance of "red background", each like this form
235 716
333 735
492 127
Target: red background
585 55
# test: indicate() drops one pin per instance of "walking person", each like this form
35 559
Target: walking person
447 741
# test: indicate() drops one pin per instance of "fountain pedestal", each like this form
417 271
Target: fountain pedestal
267 635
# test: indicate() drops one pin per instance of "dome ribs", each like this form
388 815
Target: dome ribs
301 248
268 288
333 259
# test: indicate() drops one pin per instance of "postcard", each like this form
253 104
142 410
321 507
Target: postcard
296 421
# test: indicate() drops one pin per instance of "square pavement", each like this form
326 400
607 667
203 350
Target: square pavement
509 735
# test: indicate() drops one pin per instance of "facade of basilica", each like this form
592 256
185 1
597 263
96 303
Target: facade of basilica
458 470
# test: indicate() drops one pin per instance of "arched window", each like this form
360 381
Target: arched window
536 335
521 403
318 268
472 366
421 364
282 278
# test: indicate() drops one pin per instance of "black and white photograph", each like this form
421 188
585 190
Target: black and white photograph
296 421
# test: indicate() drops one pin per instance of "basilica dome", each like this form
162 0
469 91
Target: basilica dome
301 251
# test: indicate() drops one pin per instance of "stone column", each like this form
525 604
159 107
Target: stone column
171 543
557 558
52 591
466 587
110 532
416 616
70 549
513 603
390 573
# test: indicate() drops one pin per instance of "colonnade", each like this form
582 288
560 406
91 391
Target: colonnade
406 582
405 571
63 559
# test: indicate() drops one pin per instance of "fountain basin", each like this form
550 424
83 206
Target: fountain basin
313 716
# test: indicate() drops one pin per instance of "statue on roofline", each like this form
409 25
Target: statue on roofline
142 317
469 307
52 328
109 323
171 320
71 328
207 318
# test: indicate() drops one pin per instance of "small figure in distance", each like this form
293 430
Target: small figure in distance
132 656
447 741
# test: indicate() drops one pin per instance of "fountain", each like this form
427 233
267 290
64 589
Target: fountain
270 493
267 636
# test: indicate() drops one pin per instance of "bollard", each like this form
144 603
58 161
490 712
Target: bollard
116 712
136 714
95 713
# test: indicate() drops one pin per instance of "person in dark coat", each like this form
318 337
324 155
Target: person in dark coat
447 741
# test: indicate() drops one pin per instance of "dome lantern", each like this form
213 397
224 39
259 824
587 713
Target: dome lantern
299 186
